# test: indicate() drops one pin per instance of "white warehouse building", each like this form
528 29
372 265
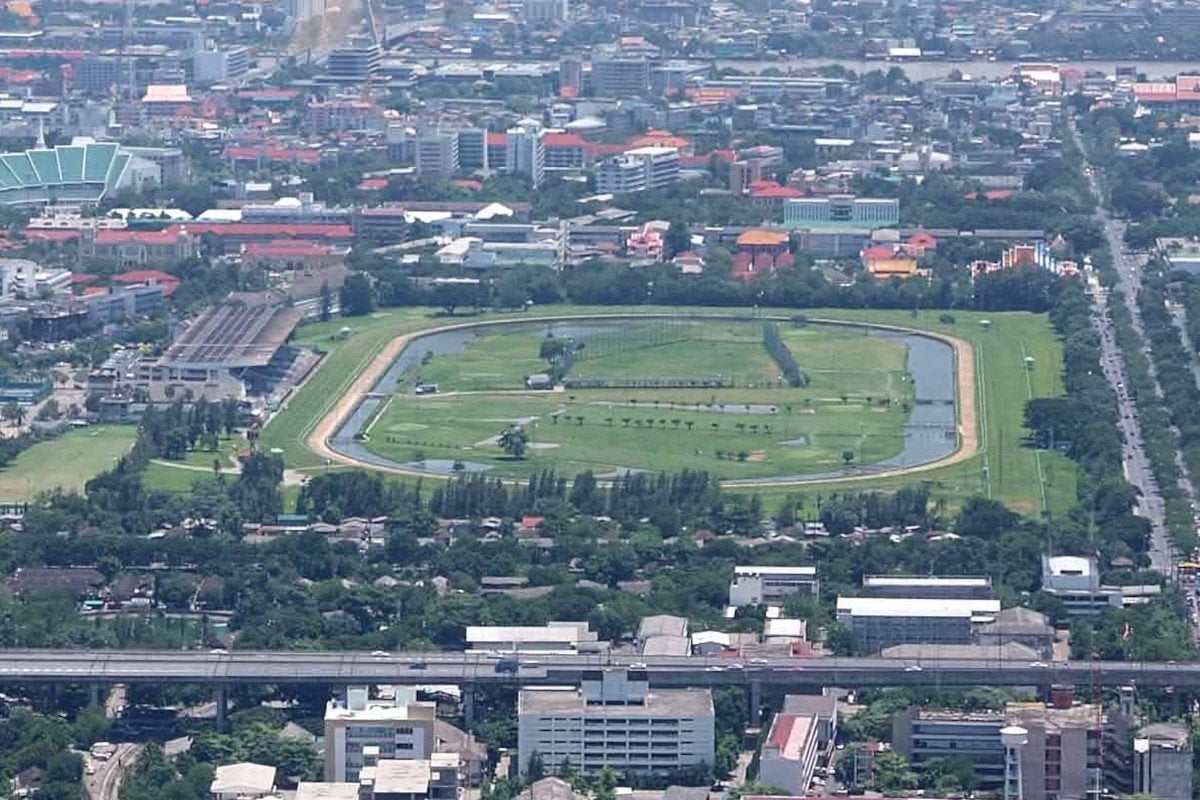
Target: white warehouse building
757 585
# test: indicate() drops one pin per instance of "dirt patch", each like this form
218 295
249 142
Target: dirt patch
757 456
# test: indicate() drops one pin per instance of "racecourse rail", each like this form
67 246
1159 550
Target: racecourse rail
219 667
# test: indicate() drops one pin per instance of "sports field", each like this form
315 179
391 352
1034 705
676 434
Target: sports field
67 462
1029 480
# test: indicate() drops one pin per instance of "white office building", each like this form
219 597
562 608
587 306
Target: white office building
401 729
841 210
220 64
615 719
638 170
758 585
879 622
1075 580
436 154
525 153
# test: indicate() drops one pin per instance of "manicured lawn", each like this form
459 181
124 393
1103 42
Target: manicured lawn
490 361
792 430
67 462
164 478
733 351
615 433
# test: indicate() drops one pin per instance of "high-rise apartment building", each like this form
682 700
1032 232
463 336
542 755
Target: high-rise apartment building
435 154
473 148
638 170
525 154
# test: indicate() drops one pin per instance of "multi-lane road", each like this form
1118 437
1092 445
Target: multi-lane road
1136 463
249 667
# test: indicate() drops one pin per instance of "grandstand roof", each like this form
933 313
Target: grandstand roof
232 335
76 172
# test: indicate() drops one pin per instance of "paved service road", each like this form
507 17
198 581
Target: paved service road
105 783
238 667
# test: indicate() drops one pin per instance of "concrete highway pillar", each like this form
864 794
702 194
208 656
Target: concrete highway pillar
755 703
222 708
468 695
94 692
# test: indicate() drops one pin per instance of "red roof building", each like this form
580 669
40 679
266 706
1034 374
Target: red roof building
290 255
128 248
566 151
663 139
149 277
771 195
922 241
232 235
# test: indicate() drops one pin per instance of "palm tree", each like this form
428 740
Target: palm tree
579 421
753 427
741 427
608 421
716 425
638 423
676 422
625 421
689 425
